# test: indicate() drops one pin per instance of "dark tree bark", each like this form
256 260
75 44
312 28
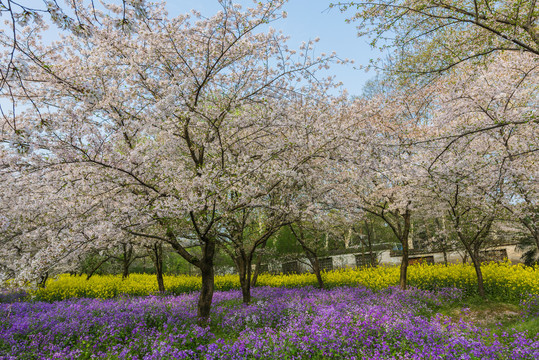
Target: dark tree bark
126 259
243 261
157 259
244 270
404 234
42 282
532 228
316 268
208 273
480 284
443 239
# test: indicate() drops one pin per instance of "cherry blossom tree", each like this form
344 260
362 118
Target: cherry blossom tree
472 191
377 166
163 128
473 173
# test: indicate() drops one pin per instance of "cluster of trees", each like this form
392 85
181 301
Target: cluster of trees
211 135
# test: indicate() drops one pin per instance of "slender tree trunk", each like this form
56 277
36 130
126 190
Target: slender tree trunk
208 282
257 271
369 229
91 273
372 255
444 241
157 258
403 281
534 231
257 265
444 251
474 256
126 260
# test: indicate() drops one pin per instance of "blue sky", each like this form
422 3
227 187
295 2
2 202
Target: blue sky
306 20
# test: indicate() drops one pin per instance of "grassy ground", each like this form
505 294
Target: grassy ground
500 317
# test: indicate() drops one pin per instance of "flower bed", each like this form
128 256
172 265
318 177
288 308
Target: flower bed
281 323
502 281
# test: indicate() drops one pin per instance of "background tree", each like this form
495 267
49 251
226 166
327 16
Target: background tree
377 166
433 36
242 235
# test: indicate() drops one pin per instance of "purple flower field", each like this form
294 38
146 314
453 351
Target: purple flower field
306 323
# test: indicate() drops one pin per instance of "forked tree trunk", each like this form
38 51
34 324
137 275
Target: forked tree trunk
244 272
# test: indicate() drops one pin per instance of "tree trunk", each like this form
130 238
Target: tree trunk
369 229
125 272
534 231
126 260
444 251
257 271
316 267
311 255
207 289
244 273
257 265
246 284
157 258
477 266
403 281
43 280
444 241
372 255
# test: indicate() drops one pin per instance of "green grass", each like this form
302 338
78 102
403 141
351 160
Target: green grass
498 316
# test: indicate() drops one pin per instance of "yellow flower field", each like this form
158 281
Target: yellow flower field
502 280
